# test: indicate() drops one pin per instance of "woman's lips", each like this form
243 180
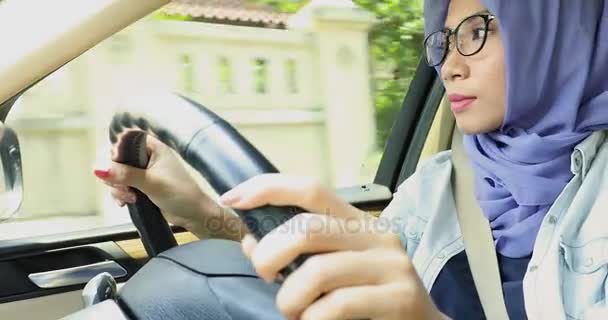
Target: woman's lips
460 103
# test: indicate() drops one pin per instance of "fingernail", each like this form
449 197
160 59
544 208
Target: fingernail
102 174
229 198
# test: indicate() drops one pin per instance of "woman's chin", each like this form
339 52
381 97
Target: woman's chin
470 125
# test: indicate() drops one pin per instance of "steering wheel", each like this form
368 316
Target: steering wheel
212 147
208 273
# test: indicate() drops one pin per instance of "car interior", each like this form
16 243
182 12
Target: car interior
48 274
128 252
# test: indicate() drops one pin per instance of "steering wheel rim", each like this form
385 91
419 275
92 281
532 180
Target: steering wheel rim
208 143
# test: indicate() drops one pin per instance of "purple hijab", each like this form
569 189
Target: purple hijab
556 55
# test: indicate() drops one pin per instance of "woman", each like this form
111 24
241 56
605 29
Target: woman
528 87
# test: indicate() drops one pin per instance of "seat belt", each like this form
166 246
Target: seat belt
477 235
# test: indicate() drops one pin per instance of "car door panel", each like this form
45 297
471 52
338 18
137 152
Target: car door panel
61 270
49 307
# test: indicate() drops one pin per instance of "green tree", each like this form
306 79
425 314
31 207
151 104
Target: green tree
396 44
289 6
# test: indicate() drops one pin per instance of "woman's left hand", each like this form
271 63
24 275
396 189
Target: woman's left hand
359 270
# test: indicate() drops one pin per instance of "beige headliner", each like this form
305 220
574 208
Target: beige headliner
38 37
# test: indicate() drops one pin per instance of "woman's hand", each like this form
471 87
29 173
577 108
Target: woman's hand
360 270
169 185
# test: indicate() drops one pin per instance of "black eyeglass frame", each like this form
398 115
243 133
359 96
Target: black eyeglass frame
448 33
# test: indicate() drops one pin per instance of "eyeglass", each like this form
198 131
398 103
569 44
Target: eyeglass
469 36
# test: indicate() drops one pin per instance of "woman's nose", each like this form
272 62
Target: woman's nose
454 67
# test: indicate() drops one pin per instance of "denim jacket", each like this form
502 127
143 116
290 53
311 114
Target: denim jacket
567 274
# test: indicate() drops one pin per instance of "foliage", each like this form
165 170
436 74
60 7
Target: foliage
289 6
161 15
396 43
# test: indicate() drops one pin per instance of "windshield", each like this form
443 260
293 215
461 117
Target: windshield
40 36
317 99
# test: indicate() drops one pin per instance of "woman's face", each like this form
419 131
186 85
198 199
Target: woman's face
475 84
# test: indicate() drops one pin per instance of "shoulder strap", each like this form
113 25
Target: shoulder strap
477 235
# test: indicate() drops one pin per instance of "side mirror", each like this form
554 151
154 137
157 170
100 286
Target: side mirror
11 181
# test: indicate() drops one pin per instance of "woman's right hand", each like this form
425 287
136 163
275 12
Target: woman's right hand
169 186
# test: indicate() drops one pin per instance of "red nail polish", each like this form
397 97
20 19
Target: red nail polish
102 174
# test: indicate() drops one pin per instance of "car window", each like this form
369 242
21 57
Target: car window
317 91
